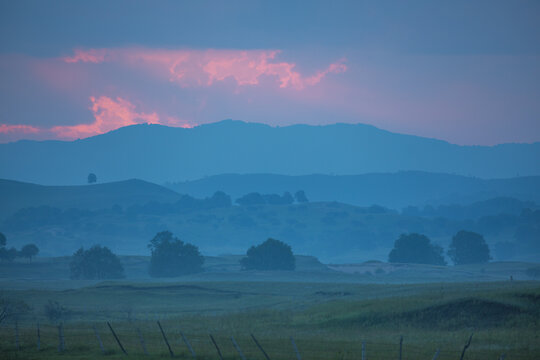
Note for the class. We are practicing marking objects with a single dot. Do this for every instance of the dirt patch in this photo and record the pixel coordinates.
(469, 312)
(458, 314)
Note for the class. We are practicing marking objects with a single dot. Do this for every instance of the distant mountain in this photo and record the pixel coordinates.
(395, 190)
(16, 195)
(159, 154)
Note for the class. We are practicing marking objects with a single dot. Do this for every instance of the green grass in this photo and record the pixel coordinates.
(327, 320)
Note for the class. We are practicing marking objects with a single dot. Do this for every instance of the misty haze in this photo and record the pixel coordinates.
(270, 180)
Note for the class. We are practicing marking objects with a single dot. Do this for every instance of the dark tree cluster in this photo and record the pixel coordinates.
(172, 257)
(256, 198)
(270, 255)
(416, 248)
(186, 203)
(98, 262)
(9, 254)
(466, 248)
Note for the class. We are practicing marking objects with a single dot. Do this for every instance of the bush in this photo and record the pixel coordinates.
(270, 255)
(56, 312)
(468, 248)
(416, 249)
(96, 263)
(172, 257)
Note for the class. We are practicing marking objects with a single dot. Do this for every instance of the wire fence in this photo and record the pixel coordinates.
(168, 340)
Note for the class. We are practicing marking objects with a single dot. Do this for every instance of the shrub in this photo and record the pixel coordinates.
(172, 257)
(96, 263)
(270, 255)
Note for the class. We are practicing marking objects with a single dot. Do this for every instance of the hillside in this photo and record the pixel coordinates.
(394, 190)
(16, 195)
(331, 231)
(159, 154)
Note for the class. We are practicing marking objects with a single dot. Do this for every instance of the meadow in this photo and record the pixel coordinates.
(329, 314)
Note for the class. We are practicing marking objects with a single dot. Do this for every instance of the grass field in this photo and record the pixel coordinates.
(328, 318)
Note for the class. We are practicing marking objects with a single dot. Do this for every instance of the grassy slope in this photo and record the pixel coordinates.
(328, 320)
(17, 195)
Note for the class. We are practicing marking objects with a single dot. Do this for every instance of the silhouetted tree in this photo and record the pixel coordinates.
(300, 196)
(5, 253)
(172, 257)
(416, 249)
(92, 178)
(251, 199)
(270, 255)
(96, 263)
(29, 251)
(468, 248)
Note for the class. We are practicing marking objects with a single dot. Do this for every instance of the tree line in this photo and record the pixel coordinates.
(172, 257)
(466, 247)
(28, 251)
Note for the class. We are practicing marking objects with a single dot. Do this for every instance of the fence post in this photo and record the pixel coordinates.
(141, 339)
(466, 347)
(295, 349)
(400, 346)
(260, 347)
(363, 350)
(99, 339)
(165, 338)
(38, 338)
(238, 349)
(217, 347)
(187, 344)
(17, 343)
(61, 343)
(117, 339)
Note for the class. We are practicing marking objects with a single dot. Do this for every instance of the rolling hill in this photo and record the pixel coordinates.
(158, 154)
(17, 195)
(394, 190)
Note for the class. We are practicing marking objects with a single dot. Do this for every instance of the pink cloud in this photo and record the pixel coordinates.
(109, 114)
(93, 56)
(190, 68)
(24, 129)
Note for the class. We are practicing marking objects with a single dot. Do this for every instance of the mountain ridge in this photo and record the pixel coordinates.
(158, 154)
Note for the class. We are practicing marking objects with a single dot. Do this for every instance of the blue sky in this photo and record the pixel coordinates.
(463, 71)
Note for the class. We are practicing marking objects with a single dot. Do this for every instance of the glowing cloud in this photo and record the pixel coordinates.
(24, 129)
(205, 67)
(109, 114)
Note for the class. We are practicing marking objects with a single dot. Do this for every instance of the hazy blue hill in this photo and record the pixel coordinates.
(158, 154)
(17, 195)
(395, 190)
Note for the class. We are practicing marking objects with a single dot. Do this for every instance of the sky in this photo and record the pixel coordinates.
(467, 72)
